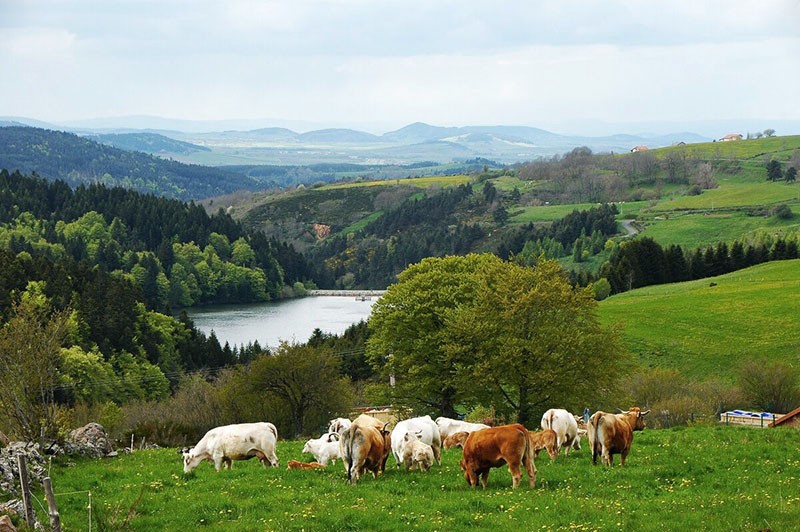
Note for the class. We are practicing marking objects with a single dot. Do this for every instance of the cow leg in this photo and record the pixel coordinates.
(219, 459)
(608, 458)
(530, 468)
(484, 478)
(262, 458)
(622, 456)
(437, 454)
(516, 474)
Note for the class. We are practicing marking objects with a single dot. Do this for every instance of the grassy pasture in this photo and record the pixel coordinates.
(695, 229)
(697, 478)
(779, 147)
(735, 191)
(421, 182)
(547, 213)
(705, 330)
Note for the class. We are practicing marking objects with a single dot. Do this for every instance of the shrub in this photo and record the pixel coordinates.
(773, 386)
(782, 212)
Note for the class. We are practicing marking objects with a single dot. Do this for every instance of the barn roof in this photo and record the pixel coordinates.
(783, 419)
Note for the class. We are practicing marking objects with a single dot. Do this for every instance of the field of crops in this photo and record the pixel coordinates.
(697, 478)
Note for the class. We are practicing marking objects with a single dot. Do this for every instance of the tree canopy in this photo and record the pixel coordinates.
(457, 332)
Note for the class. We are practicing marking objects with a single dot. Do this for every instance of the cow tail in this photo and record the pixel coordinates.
(346, 449)
(593, 429)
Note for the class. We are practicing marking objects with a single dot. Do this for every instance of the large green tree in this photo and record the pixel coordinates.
(530, 341)
(476, 330)
(409, 331)
(30, 347)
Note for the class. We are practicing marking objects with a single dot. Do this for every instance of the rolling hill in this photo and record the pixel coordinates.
(707, 327)
(78, 160)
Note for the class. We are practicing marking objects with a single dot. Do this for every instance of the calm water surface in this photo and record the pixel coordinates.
(293, 320)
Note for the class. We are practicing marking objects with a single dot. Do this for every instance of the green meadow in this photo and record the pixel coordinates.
(706, 327)
(421, 182)
(695, 478)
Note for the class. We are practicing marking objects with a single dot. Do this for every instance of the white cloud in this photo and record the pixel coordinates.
(354, 61)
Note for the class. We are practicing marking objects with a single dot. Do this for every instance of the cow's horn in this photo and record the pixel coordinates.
(645, 412)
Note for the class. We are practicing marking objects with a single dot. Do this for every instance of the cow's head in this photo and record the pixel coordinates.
(190, 461)
(307, 447)
(411, 436)
(637, 416)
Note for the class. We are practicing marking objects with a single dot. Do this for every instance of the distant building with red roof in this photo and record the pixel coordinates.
(731, 136)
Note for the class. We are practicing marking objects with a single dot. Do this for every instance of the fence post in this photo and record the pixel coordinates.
(25, 489)
(55, 518)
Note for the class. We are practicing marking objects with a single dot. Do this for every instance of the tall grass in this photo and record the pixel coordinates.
(698, 478)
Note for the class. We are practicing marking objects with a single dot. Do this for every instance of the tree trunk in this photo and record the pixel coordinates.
(524, 412)
(447, 405)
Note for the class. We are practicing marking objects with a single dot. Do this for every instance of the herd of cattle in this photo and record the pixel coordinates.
(364, 444)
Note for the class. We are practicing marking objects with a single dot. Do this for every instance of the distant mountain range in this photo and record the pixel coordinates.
(410, 144)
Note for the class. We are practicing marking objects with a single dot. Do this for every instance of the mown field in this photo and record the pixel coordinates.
(704, 330)
(697, 478)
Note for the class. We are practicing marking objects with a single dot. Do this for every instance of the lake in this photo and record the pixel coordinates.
(293, 320)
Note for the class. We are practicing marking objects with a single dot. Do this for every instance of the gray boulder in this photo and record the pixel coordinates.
(90, 440)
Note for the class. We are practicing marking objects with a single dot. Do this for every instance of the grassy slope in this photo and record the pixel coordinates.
(699, 478)
(705, 330)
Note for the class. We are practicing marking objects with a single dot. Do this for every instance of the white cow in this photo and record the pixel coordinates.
(339, 425)
(429, 433)
(234, 442)
(416, 453)
(325, 448)
(448, 426)
(565, 427)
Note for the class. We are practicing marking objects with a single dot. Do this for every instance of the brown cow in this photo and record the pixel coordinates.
(611, 434)
(294, 464)
(456, 439)
(493, 447)
(364, 449)
(544, 439)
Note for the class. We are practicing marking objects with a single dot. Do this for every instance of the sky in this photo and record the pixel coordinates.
(377, 65)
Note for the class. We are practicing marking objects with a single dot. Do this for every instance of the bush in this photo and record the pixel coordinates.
(673, 400)
(782, 212)
(772, 386)
(601, 288)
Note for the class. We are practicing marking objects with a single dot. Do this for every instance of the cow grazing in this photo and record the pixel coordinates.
(544, 439)
(294, 464)
(222, 445)
(456, 439)
(429, 433)
(493, 447)
(448, 426)
(611, 434)
(364, 449)
(416, 453)
(565, 427)
(339, 425)
(325, 448)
